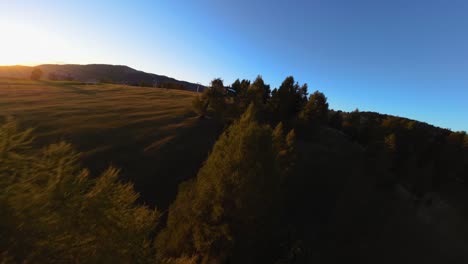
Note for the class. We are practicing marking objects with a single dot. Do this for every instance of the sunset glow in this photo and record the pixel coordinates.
(388, 57)
(247, 131)
(25, 44)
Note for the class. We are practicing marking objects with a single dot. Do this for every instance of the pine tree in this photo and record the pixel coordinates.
(236, 86)
(316, 109)
(200, 105)
(230, 210)
(36, 74)
(54, 212)
(216, 97)
(288, 100)
(336, 120)
(258, 92)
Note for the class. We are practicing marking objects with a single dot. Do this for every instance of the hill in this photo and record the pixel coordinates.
(16, 72)
(146, 132)
(94, 73)
(363, 186)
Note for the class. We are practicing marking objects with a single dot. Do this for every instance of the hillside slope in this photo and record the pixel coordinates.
(16, 72)
(336, 208)
(98, 73)
(149, 133)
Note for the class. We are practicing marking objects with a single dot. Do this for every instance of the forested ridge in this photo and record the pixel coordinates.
(289, 180)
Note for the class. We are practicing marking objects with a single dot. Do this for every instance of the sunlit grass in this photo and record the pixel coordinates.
(58, 108)
(148, 132)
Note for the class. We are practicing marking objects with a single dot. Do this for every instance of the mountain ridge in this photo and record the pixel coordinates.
(106, 73)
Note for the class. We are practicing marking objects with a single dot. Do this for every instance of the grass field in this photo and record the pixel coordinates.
(150, 133)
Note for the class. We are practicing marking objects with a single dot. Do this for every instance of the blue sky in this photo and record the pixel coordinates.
(407, 58)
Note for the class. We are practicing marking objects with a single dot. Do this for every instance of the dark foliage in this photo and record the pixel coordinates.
(288, 100)
(355, 187)
(54, 212)
(36, 74)
(53, 76)
(230, 211)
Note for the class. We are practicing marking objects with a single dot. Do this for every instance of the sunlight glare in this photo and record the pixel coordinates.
(23, 44)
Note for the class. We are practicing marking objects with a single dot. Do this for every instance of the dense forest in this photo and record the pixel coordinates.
(288, 180)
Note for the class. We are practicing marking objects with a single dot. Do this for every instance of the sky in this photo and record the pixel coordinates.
(405, 58)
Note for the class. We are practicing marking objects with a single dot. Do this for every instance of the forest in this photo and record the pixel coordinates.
(288, 180)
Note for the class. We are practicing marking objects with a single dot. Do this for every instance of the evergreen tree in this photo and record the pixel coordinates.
(242, 97)
(236, 86)
(258, 92)
(352, 124)
(200, 105)
(288, 100)
(390, 143)
(244, 86)
(241, 88)
(54, 212)
(216, 98)
(316, 109)
(230, 211)
(336, 120)
(36, 74)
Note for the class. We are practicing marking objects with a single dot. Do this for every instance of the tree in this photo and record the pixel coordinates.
(230, 210)
(453, 155)
(352, 124)
(200, 105)
(241, 99)
(212, 99)
(258, 92)
(336, 120)
(215, 95)
(288, 100)
(316, 109)
(244, 86)
(390, 143)
(236, 86)
(36, 74)
(54, 212)
(241, 87)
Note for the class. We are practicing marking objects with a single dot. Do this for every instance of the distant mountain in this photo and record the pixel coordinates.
(98, 73)
(17, 72)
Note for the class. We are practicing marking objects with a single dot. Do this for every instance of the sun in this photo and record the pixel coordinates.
(23, 44)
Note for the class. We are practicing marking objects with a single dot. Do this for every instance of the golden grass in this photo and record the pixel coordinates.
(150, 133)
(81, 109)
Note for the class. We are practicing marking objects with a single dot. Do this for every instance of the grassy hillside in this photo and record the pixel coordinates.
(17, 71)
(93, 73)
(363, 186)
(151, 134)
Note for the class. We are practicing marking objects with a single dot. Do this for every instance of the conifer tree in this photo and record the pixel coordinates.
(200, 105)
(36, 74)
(236, 86)
(230, 210)
(258, 92)
(335, 120)
(288, 100)
(316, 109)
(54, 212)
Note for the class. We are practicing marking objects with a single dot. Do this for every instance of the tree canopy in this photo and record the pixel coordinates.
(228, 211)
(316, 109)
(36, 74)
(53, 211)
